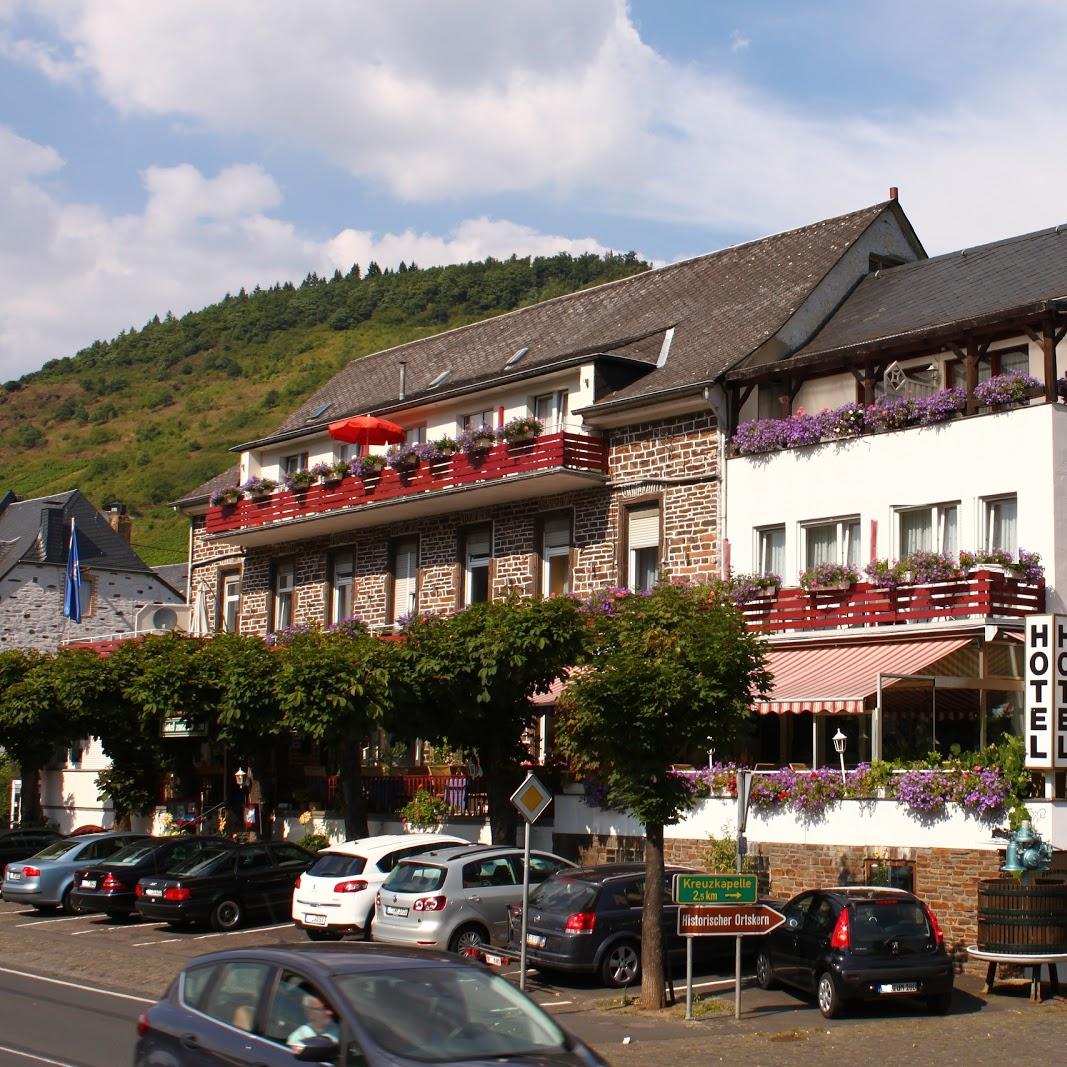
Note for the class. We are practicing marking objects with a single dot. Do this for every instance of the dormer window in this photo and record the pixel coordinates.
(440, 379)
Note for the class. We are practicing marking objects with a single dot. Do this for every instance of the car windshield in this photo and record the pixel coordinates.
(415, 877)
(334, 865)
(878, 922)
(57, 849)
(206, 861)
(447, 1013)
(563, 894)
(131, 855)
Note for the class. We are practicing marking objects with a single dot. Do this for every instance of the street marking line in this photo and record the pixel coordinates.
(101, 928)
(41, 922)
(555, 1004)
(165, 941)
(34, 1056)
(248, 930)
(724, 981)
(77, 985)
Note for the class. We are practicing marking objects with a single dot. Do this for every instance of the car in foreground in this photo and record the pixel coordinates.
(335, 895)
(23, 842)
(858, 943)
(352, 1003)
(46, 880)
(110, 886)
(225, 885)
(588, 921)
(456, 898)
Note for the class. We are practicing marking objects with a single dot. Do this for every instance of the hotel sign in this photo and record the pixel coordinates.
(1046, 692)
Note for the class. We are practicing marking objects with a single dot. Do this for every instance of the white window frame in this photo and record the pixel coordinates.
(298, 461)
(415, 435)
(764, 548)
(345, 453)
(938, 523)
(230, 602)
(475, 561)
(845, 539)
(342, 584)
(405, 585)
(284, 596)
(635, 546)
(552, 409)
(989, 506)
(475, 420)
(557, 536)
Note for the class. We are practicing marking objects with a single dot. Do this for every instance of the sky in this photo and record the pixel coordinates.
(155, 156)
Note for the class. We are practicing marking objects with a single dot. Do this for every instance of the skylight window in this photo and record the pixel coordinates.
(319, 411)
(440, 379)
(512, 360)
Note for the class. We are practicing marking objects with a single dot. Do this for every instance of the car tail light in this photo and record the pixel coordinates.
(581, 922)
(31, 872)
(353, 885)
(430, 904)
(842, 935)
(110, 882)
(142, 1023)
(935, 926)
(177, 892)
(299, 882)
(138, 890)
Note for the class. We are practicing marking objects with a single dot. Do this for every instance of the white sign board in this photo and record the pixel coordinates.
(1046, 692)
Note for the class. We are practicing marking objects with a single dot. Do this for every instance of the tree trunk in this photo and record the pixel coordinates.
(653, 987)
(32, 813)
(350, 770)
(500, 783)
(122, 819)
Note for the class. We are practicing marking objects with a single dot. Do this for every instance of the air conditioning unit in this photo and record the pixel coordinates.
(163, 617)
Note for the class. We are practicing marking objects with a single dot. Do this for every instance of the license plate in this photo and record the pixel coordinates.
(400, 912)
(535, 941)
(493, 960)
(314, 920)
(153, 892)
(15, 876)
(899, 987)
(88, 883)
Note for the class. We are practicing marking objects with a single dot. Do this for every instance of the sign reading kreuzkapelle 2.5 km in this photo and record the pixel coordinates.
(1046, 692)
(715, 888)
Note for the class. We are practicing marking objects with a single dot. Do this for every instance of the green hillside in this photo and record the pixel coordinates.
(149, 415)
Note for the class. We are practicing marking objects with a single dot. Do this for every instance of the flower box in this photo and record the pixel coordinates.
(830, 587)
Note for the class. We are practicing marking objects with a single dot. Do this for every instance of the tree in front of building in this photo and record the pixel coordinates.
(666, 671)
(474, 674)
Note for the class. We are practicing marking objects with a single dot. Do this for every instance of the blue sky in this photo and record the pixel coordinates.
(155, 156)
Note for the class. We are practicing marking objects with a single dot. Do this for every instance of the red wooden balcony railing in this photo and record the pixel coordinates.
(569, 451)
(983, 594)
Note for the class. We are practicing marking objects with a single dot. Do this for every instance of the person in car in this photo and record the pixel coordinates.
(320, 1022)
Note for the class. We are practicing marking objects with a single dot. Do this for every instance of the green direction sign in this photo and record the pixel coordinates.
(715, 889)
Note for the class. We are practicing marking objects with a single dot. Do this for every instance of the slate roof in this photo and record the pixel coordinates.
(983, 283)
(202, 493)
(37, 531)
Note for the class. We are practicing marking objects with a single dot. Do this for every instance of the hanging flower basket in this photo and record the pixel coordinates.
(300, 481)
(228, 497)
(476, 443)
(331, 473)
(259, 489)
(829, 577)
(522, 430)
(369, 468)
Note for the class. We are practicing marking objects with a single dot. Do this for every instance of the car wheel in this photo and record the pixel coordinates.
(65, 905)
(939, 1003)
(765, 972)
(468, 937)
(227, 914)
(621, 965)
(368, 928)
(828, 996)
(323, 935)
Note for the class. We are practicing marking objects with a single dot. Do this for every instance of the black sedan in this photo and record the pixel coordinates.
(20, 844)
(109, 886)
(855, 943)
(354, 1004)
(224, 885)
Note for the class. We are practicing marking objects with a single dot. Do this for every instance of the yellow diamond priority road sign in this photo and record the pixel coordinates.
(531, 798)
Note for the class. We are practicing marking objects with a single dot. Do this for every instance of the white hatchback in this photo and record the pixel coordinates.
(335, 895)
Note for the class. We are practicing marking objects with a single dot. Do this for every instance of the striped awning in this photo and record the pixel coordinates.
(837, 681)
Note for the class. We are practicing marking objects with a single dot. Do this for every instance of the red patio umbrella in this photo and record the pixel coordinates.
(367, 430)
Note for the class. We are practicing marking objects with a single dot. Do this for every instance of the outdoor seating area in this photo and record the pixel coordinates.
(386, 794)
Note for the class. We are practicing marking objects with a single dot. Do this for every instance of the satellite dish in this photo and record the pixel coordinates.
(164, 619)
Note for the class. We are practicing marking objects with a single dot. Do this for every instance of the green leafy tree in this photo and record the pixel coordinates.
(667, 671)
(474, 674)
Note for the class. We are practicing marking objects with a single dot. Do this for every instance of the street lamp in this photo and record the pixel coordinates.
(840, 740)
(711, 753)
(240, 776)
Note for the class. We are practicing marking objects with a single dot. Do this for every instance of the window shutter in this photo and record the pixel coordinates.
(405, 582)
(643, 529)
(558, 532)
(478, 542)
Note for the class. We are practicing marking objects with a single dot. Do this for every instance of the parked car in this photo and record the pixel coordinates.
(588, 920)
(335, 896)
(109, 886)
(456, 898)
(22, 843)
(354, 1004)
(46, 879)
(223, 885)
(856, 943)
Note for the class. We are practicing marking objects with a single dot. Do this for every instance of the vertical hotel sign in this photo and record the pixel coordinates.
(1046, 692)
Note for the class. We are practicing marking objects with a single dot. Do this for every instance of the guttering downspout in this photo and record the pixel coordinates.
(715, 405)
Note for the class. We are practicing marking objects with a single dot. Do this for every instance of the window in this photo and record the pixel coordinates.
(932, 528)
(1002, 361)
(832, 542)
(769, 396)
(405, 577)
(284, 579)
(85, 593)
(881, 261)
(477, 554)
(349, 452)
(642, 544)
(556, 555)
(771, 550)
(229, 603)
(342, 567)
(896, 874)
(551, 409)
(296, 462)
(477, 419)
(1001, 521)
(234, 996)
(415, 435)
(299, 1011)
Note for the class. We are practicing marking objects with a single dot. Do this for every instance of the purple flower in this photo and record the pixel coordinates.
(1010, 388)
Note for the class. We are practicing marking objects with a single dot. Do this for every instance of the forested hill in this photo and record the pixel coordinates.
(149, 415)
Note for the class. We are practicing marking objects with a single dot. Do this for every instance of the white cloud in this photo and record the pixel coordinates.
(739, 42)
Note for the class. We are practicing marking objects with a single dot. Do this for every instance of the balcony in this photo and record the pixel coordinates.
(554, 463)
(982, 595)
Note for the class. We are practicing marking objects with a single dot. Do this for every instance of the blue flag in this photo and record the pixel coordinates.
(72, 596)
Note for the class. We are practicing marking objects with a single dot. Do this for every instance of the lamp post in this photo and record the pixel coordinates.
(711, 753)
(840, 740)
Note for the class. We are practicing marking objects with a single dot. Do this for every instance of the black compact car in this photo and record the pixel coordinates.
(855, 943)
(20, 844)
(589, 920)
(224, 884)
(373, 1005)
(110, 886)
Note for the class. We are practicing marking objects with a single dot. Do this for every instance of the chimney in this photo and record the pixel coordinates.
(892, 192)
(119, 520)
(403, 380)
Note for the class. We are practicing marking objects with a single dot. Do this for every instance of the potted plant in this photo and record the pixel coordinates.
(1007, 390)
(403, 458)
(439, 451)
(745, 587)
(885, 575)
(227, 496)
(829, 576)
(368, 467)
(299, 481)
(259, 488)
(522, 429)
(330, 473)
(993, 560)
(425, 812)
(475, 443)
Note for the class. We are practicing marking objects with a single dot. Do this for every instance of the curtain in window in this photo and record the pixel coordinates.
(820, 545)
(1002, 524)
(772, 551)
(916, 531)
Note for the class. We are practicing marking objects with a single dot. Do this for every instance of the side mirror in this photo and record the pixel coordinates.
(317, 1050)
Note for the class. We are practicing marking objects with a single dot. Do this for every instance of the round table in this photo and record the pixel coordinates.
(1035, 961)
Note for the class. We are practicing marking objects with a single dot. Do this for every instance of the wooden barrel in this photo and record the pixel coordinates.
(1026, 919)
